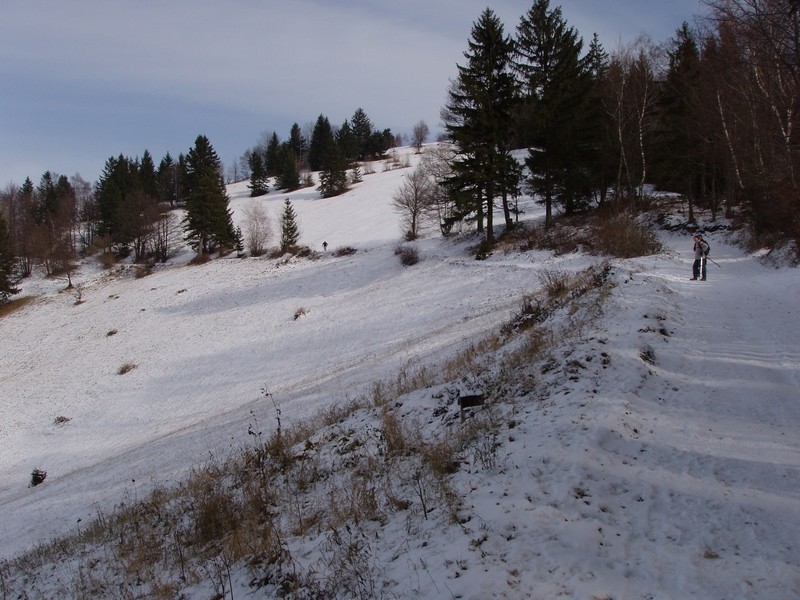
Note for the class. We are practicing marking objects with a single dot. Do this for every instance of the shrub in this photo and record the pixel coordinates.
(200, 259)
(408, 254)
(126, 368)
(395, 437)
(555, 283)
(622, 237)
(12, 305)
(37, 476)
(142, 271)
(344, 251)
(484, 250)
(107, 260)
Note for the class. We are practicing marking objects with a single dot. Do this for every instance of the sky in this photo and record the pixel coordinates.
(83, 80)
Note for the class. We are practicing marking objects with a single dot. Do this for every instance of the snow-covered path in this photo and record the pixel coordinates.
(662, 460)
(729, 427)
(696, 472)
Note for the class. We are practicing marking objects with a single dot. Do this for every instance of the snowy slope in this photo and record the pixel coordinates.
(661, 461)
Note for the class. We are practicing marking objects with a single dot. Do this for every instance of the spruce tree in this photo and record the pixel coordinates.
(117, 182)
(601, 140)
(148, 179)
(290, 234)
(259, 181)
(322, 141)
(127, 200)
(679, 135)
(167, 180)
(478, 120)
(287, 176)
(7, 263)
(333, 176)
(347, 142)
(271, 155)
(208, 221)
(239, 244)
(22, 232)
(553, 116)
(298, 145)
(362, 132)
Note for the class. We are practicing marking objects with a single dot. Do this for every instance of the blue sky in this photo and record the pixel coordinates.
(82, 80)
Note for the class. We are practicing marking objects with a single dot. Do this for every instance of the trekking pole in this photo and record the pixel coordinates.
(713, 261)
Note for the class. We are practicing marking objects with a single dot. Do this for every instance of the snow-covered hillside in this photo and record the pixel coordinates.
(659, 457)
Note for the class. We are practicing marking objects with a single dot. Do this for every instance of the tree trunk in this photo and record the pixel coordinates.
(490, 214)
(507, 212)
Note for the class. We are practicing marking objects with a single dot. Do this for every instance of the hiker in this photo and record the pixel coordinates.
(701, 249)
(324, 246)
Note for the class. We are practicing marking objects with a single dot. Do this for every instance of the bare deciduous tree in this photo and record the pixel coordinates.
(413, 199)
(436, 163)
(630, 97)
(419, 135)
(758, 100)
(166, 235)
(256, 228)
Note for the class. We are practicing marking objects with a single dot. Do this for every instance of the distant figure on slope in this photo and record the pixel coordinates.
(324, 246)
(700, 253)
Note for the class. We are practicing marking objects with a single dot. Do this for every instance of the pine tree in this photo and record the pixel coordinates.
(553, 118)
(347, 142)
(167, 180)
(271, 155)
(23, 228)
(333, 176)
(208, 221)
(322, 141)
(127, 200)
(7, 263)
(290, 234)
(478, 120)
(148, 180)
(259, 181)
(287, 176)
(239, 244)
(116, 183)
(362, 132)
(679, 131)
(601, 141)
(298, 145)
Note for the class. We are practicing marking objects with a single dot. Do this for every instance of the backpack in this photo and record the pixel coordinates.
(707, 251)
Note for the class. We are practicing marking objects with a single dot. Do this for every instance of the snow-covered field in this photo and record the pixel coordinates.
(663, 462)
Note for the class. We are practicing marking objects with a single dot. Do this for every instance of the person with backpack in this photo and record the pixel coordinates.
(701, 249)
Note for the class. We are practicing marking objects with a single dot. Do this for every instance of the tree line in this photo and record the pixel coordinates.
(128, 211)
(710, 114)
(331, 151)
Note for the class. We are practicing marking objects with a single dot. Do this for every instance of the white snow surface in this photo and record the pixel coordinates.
(674, 478)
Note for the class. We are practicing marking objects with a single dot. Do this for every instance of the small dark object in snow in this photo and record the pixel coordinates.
(37, 477)
(470, 401)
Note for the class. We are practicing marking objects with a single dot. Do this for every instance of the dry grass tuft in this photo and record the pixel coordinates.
(617, 235)
(12, 305)
(126, 368)
(409, 255)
